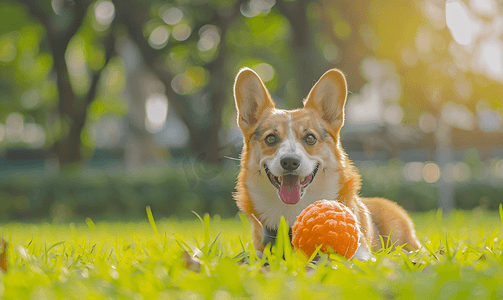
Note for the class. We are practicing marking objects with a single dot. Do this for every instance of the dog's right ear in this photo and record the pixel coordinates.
(252, 98)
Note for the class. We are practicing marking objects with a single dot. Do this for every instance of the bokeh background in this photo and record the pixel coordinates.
(109, 106)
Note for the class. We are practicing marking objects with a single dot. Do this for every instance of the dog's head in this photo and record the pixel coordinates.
(291, 157)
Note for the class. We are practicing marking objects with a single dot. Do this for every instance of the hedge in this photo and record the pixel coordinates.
(178, 189)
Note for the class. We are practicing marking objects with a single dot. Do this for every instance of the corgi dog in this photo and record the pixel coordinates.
(292, 158)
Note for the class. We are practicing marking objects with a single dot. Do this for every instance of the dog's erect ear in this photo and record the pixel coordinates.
(252, 98)
(328, 97)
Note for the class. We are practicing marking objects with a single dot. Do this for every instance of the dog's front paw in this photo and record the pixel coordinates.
(362, 254)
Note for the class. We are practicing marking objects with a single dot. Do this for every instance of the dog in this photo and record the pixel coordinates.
(292, 158)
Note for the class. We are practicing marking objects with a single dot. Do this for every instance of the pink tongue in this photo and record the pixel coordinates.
(289, 190)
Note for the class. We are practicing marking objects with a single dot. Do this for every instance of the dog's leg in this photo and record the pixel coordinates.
(392, 223)
(363, 252)
(270, 236)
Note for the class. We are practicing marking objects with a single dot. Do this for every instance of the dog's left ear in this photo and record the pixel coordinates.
(328, 97)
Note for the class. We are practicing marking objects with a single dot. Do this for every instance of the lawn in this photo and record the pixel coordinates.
(462, 258)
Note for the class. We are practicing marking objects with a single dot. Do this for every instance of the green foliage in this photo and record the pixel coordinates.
(174, 191)
(298, 40)
(128, 260)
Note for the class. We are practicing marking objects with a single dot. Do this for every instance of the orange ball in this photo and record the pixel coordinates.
(327, 223)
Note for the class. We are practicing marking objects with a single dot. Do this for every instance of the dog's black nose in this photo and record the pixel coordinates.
(289, 162)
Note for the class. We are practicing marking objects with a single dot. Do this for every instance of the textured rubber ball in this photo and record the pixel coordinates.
(327, 223)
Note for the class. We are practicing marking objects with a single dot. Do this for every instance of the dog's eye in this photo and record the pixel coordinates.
(270, 139)
(310, 139)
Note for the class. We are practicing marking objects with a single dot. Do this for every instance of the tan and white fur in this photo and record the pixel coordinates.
(292, 158)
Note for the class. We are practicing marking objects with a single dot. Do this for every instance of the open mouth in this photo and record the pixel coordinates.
(291, 187)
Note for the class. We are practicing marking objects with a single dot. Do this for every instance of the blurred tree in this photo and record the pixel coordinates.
(303, 43)
(140, 148)
(201, 108)
(438, 89)
(196, 47)
(61, 20)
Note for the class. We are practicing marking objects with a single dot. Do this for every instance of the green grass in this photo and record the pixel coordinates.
(462, 258)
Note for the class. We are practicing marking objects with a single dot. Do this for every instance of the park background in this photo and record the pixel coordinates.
(109, 106)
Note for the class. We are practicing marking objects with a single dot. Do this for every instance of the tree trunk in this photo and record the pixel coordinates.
(140, 147)
(204, 140)
(72, 113)
(67, 149)
(353, 50)
(207, 140)
(72, 110)
(303, 46)
(444, 156)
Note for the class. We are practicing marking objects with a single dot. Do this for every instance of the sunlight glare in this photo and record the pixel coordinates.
(14, 127)
(427, 123)
(30, 99)
(104, 12)
(484, 7)
(461, 25)
(209, 37)
(462, 171)
(431, 173)
(413, 171)
(172, 16)
(156, 109)
(2, 132)
(366, 108)
(265, 71)
(34, 134)
(331, 52)
(457, 115)
(159, 37)
(490, 58)
(393, 114)
(7, 51)
(181, 32)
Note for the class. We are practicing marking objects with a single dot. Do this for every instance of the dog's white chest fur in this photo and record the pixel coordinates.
(270, 208)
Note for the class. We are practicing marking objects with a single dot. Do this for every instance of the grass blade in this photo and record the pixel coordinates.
(287, 246)
(406, 259)
(198, 216)
(76, 261)
(206, 247)
(439, 217)
(215, 240)
(206, 231)
(241, 242)
(429, 250)
(55, 245)
(447, 249)
(241, 255)
(151, 220)
(314, 253)
(29, 242)
(90, 223)
(280, 240)
(181, 243)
